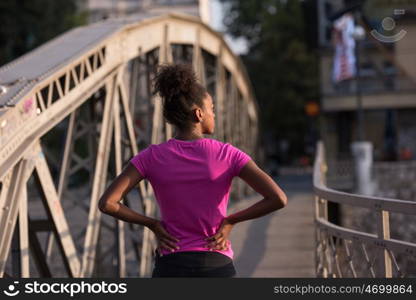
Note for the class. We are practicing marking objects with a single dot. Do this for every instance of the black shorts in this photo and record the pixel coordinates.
(193, 264)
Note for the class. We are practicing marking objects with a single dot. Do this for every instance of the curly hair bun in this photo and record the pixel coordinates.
(174, 79)
(179, 89)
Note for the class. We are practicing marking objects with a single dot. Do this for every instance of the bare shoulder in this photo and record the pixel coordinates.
(251, 170)
(260, 181)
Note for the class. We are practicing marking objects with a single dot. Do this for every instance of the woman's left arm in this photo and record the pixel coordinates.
(109, 202)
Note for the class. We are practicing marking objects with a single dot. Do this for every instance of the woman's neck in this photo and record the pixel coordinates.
(186, 136)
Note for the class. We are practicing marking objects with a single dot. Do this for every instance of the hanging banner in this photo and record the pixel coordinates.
(344, 59)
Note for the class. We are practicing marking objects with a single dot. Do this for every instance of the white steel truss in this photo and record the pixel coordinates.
(87, 94)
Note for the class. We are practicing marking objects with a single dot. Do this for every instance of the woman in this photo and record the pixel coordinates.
(191, 177)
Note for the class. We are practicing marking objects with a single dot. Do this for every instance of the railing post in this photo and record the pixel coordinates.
(383, 233)
(317, 237)
(321, 209)
(321, 212)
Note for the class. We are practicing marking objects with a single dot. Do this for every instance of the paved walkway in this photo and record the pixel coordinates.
(280, 244)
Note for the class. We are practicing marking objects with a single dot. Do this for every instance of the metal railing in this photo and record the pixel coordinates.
(346, 252)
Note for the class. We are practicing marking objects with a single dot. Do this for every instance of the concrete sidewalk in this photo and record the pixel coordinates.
(280, 244)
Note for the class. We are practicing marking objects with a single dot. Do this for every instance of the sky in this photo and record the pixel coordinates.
(217, 9)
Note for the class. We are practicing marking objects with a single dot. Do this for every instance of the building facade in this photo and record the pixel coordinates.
(387, 82)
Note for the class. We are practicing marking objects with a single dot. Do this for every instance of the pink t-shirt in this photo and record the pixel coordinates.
(192, 182)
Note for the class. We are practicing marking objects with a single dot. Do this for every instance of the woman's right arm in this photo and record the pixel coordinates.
(262, 183)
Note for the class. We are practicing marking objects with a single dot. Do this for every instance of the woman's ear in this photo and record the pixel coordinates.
(199, 114)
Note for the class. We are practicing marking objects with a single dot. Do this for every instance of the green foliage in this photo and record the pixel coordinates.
(281, 66)
(27, 24)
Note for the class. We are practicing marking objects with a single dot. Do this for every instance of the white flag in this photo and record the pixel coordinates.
(344, 60)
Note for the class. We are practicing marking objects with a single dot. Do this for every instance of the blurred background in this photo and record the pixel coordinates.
(339, 71)
(277, 41)
(288, 49)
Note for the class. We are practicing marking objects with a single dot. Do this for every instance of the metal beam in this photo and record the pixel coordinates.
(20, 249)
(120, 237)
(100, 177)
(10, 211)
(56, 215)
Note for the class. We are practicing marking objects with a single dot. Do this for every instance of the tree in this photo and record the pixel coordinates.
(281, 66)
(26, 24)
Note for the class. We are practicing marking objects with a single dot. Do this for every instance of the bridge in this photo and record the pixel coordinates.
(76, 109)
(87, 93)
